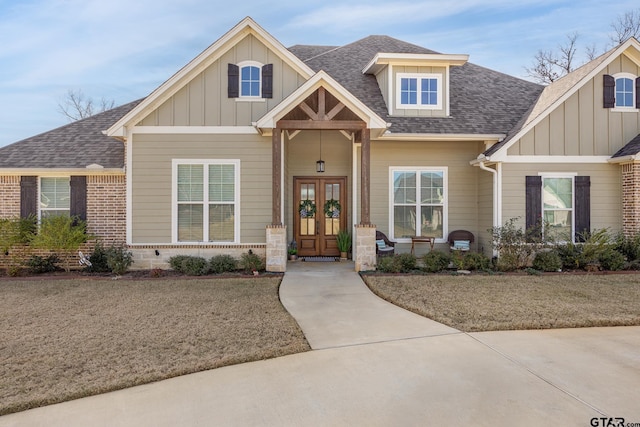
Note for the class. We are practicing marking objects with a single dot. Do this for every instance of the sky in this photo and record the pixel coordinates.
(122, 50)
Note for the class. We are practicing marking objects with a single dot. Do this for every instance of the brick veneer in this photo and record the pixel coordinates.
(9, 196)
(365, 241)
(106, 208)
(631, 198)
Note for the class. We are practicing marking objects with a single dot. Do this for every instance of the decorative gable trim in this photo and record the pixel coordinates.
(200, 63)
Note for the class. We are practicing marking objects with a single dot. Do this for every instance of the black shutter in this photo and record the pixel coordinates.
(28, 196)
(638, 92)
(533, 202)
(582, 206)
(267, 81)
(609, 91)
(78, 205)
(233, 73)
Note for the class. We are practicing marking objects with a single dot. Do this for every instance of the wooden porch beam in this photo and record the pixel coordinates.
(276, 159)
(309, 111)
(365, 178)
(321, 124)
(322, 109)
(335, 110)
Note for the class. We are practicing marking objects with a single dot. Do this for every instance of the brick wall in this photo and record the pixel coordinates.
(106, 208)
(9, 196)
(631, 198)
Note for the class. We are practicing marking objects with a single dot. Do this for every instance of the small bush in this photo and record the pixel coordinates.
(570, 255)
(508, 262)
(175, 262)
(189, 265)
(629, 246)
(547, 261)
(119, 259)
(407, 262)
(222, 264)
(40, 265)
(435, 261)
(389, 265)
(475, 261)
(251, 262)
(98, 259)
(612, 260)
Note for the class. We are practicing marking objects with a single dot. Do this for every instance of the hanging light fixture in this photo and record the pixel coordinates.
(320, 163)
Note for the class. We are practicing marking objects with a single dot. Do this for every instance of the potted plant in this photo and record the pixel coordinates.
(293, 254)
(343, 240)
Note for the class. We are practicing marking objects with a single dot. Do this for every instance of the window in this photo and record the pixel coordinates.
(418, 202)
(250, 81)
(419, 91)
(55, 196)
(557, 208)
(206, 200)
(624, 92)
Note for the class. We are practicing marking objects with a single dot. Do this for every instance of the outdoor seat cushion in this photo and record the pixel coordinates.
(381, 244)
(461, 245)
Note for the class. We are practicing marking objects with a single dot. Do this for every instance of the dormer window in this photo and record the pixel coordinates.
(250, 80)
(419, 91)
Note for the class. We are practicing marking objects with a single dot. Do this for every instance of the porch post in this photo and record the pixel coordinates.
(365, 183)
(276, 154)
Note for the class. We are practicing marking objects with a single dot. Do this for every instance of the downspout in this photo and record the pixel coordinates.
(496, 201)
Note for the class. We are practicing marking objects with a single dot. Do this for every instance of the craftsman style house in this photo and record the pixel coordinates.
(243, 148)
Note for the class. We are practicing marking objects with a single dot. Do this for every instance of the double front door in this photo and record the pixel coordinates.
(315, 233)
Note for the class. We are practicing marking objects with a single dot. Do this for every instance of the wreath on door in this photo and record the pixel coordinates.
(332, 208)
(307, 208)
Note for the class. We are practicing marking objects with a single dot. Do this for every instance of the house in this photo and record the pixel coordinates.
(239, 147)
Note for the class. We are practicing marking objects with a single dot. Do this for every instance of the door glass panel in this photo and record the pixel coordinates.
(332, 220)
(308, 221)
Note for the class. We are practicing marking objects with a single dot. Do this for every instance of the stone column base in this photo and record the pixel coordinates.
(365, 241)
(277, 248)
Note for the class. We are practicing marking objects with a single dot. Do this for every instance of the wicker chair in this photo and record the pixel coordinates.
(460, 240)
(384, 246)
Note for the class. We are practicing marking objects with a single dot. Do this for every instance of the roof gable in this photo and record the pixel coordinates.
(201, 62)
(558, 92)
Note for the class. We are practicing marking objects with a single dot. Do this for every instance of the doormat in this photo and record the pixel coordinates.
(320, 258)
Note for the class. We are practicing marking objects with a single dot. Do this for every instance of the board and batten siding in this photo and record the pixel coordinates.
(606, 190)
(463, 179)
(580, 126)
(204, 102)
(152, 174)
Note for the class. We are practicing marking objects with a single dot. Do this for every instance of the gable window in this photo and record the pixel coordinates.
(621, 92)
(250, 81)
(624, 92)
(419, 91)
(206, 195)
(418, 202)
(55, 196)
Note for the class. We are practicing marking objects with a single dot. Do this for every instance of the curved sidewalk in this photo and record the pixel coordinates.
(377, 365)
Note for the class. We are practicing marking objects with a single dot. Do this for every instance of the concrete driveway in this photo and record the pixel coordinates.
(400, 369)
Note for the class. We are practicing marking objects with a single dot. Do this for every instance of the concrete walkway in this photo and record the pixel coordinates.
(398, 371)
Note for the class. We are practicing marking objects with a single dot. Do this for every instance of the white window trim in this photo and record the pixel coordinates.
(174, 199)
(39, 195)
(445, 202)
(633, 108)
(572, 175)
(242, 98)
(418, 106)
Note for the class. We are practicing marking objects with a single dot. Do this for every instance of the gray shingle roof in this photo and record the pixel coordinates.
(75, 145)
(631, 149)
(482, 100)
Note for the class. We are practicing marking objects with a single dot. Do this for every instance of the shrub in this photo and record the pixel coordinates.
(15, 231)
(508, 262)
(119, 259)
(251, 262)
(596, 243)
(475, 261)
(612, 260)
(628, 246)
(98, 259)
(190, 265)
(570, 255)
(389, 265)
(60, 234)
(407, 262)
(515, 245)
(547, 261)
(435, 261)
(39, 265)
(222, 264)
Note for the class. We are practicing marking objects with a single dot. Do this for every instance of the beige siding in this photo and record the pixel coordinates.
(423, 113)
(301, 154)
(580, 125)
(462, 179)
(606, 190)
(383, 82)
(203, 101)
(152, 175)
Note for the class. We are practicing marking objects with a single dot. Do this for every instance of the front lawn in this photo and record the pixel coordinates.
(65, 339)
(503, 302)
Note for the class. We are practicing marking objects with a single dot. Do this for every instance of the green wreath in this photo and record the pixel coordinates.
(332, 208)
(307, 208)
